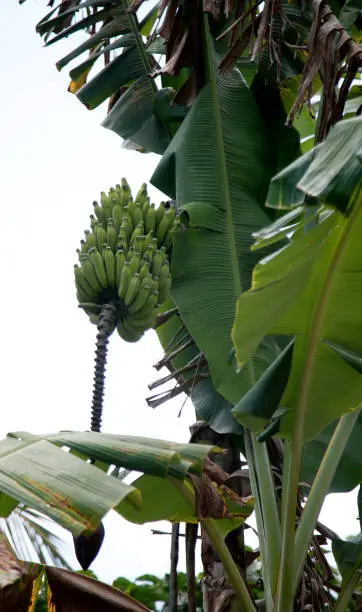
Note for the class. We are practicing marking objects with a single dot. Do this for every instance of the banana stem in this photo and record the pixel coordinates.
(286, 584)
(229, 565)
(320, 487)
(269, 509)
(264, 558)
(222, 550)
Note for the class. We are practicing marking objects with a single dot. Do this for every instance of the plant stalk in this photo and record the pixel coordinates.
(222, 550)
(320, 488)
(259, 522)
(271, 518)
(173, 591)
(285, 592)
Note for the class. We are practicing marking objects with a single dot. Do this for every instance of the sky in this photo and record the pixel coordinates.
(55, 159)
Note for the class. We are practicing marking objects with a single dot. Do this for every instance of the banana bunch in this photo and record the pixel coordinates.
(124, 258)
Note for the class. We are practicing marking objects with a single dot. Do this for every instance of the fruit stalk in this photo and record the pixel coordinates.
(106, 325)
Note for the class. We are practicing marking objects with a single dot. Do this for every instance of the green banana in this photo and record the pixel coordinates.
(150, 219)
(154, 245)
(97, 262)
(83, 285)
(144, 269)
(141, 299)
(145, 207)
(135, 262)
(123, 238)
(146, 310)
(110, 265)
(164, 288)
(129, 336)
(93, 221)
(147, 279)
(156, 285)
(132, 289)
(149, 254)
(91, 276)
(168, 240)
(160, 211)
(130, 209)
(127, 222)
(126, 194)
(146, 322)
(137, 215)
(101, 236)
(164, 272)
(122, 244)
(117, 216)
(156, 263)
(83, 251)
(112, 235)
(126, 277)
(138, 231)
(171, 215)
(120, 259)
(81, 297)
(98, 211)
(90, 239)
(141, 196)
(140, 244)
(114, 197)
(162, 229)
(105, 203)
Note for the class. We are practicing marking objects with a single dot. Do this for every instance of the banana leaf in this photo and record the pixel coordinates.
(312, 289)
(223, 161)
(113, 33)
(36, 472)
(348, 555)
(20, 588)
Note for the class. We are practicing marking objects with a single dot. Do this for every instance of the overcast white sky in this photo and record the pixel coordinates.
(55, 158)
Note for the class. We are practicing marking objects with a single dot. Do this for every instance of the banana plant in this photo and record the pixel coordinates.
(277, 322)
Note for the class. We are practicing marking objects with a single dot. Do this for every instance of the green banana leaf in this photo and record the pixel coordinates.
(127, 69)
(162, 500)
(329, 171)
(218, 167)
(34, 471)
(348, 555)
(349, 13)
(312, 289)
